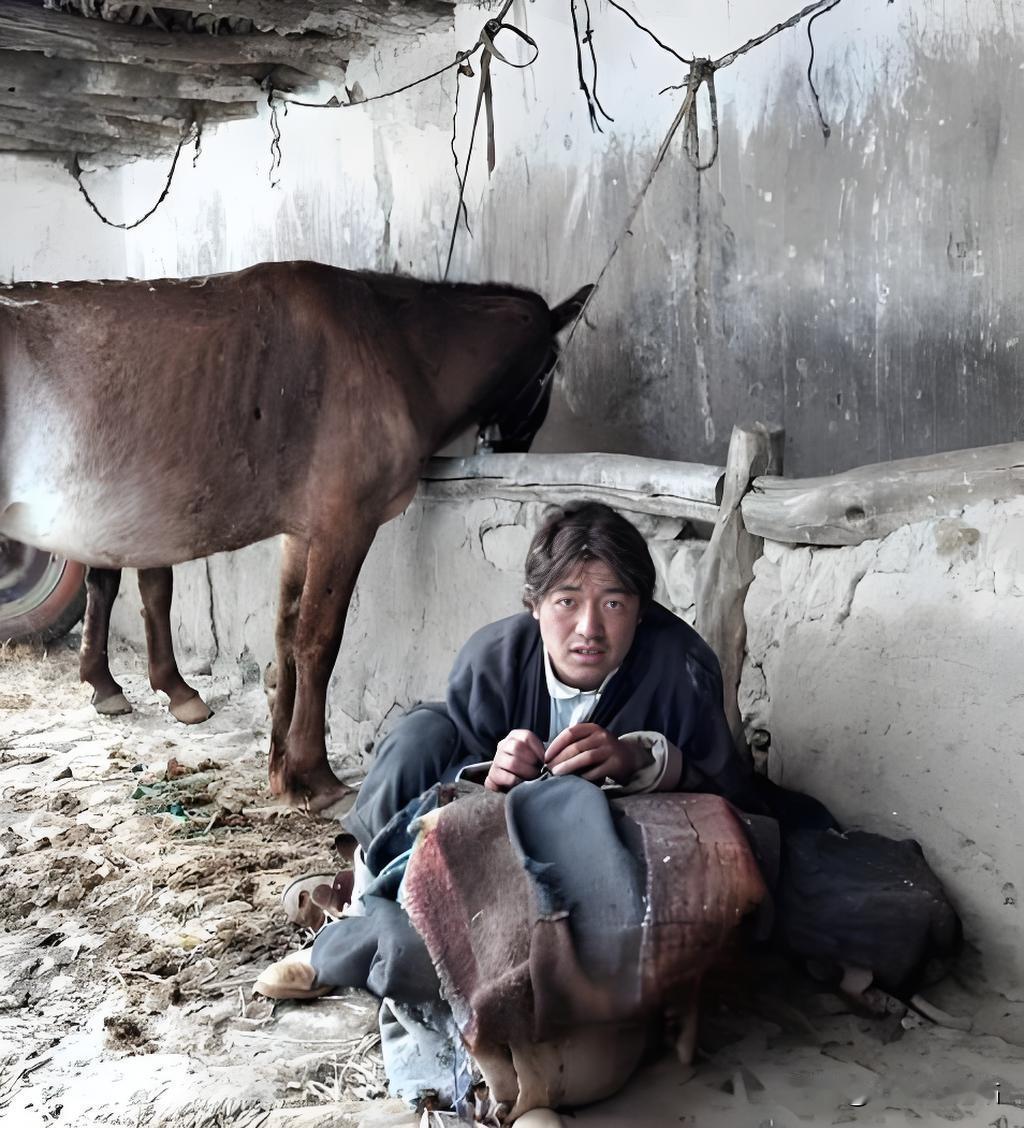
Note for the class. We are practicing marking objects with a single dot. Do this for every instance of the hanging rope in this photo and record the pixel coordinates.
(485, 101)
(647, 31)
(702, 73)
(826, 129)
(192, 131)
(276, 155)
(593, 101)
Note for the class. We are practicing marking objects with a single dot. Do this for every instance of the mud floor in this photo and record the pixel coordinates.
(141, 866)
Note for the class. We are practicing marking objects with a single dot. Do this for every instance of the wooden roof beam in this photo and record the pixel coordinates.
(42, 136)
(30, 73)
(161, 135)
(24, 26)
(151, 111)
(374, 20)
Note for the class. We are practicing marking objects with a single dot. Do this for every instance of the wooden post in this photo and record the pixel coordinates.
(727, 566)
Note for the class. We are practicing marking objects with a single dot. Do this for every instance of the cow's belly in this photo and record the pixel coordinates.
(96, 530)
(144, 519)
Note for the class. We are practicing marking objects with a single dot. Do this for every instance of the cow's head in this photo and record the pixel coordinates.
(513, 426)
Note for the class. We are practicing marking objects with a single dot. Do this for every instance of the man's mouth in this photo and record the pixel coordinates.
(587, 651)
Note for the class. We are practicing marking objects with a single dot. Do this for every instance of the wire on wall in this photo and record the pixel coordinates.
(826, 129)
(702, 73)
(192, 132)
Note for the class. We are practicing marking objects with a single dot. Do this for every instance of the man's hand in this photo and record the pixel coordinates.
(519, 756)
(592, 752)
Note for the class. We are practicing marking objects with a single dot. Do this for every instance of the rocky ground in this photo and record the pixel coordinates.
(141, 866)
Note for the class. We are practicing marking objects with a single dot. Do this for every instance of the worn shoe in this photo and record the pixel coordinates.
(290, 978)
(311, 901)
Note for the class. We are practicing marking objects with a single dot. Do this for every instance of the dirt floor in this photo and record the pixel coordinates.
(141, 866)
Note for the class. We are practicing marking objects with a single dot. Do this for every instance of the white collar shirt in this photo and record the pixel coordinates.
(569, 706)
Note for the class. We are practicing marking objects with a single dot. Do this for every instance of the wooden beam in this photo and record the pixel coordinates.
(24, 26)
(727, 566)
(873, 501)
(9, 144)
(69, 108)
(376, 20)
(28, 73)
(639, 485)
(96, 126)
(45, 135)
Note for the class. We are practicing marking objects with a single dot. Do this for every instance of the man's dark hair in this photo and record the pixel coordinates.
(580, 532)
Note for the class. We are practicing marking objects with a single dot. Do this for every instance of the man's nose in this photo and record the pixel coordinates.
(590, 624)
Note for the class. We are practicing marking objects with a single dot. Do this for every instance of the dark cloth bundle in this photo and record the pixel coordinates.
(862, 900)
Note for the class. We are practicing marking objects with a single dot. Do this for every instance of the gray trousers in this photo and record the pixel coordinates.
(422, 749)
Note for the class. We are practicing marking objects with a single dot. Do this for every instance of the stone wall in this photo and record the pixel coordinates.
(888, 676)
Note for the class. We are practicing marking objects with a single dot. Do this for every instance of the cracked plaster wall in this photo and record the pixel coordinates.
(888, 676)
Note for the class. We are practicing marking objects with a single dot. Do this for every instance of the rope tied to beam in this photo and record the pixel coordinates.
(701, 73)
(192, 132)
(485, 100)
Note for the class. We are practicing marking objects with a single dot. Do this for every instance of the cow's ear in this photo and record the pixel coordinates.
(569, 310)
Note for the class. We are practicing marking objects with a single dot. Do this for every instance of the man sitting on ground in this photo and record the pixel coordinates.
(596, 680)
(593, 679)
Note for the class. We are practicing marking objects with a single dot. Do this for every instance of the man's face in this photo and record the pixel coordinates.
(587, 622)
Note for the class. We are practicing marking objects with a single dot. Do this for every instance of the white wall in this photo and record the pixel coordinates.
(889, 677)
(46, 230)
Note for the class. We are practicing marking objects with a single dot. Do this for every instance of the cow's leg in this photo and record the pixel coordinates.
(299, 770)
(101, 586)
(293, 575)
(156, 586)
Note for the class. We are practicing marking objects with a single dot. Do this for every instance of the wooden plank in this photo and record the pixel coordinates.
(113, 126)
(28, 73)
(26, 27)
(727, 566)
(638, 485)
(79, 111)
(375, 21)
(44, 135)
(873, 501)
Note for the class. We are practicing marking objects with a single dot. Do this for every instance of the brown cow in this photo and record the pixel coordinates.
(147, 423)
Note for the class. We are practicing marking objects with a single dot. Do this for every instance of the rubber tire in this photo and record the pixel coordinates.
(54, 615)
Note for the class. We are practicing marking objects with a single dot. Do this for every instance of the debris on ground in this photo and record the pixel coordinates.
(141, 869)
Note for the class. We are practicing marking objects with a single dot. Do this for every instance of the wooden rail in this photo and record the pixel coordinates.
(689, 490)
(873, 501)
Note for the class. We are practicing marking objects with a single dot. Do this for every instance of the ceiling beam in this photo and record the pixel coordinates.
(30, 73)
(45, 136)
(24, 26)
(145, 111)
(373, 20)
(112, 127)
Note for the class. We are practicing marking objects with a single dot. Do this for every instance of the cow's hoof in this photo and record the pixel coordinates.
(191, 712)
(116, 706)
(314, 793)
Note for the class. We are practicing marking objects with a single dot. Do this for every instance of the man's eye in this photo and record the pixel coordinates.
(614, 604)
(565, 601)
